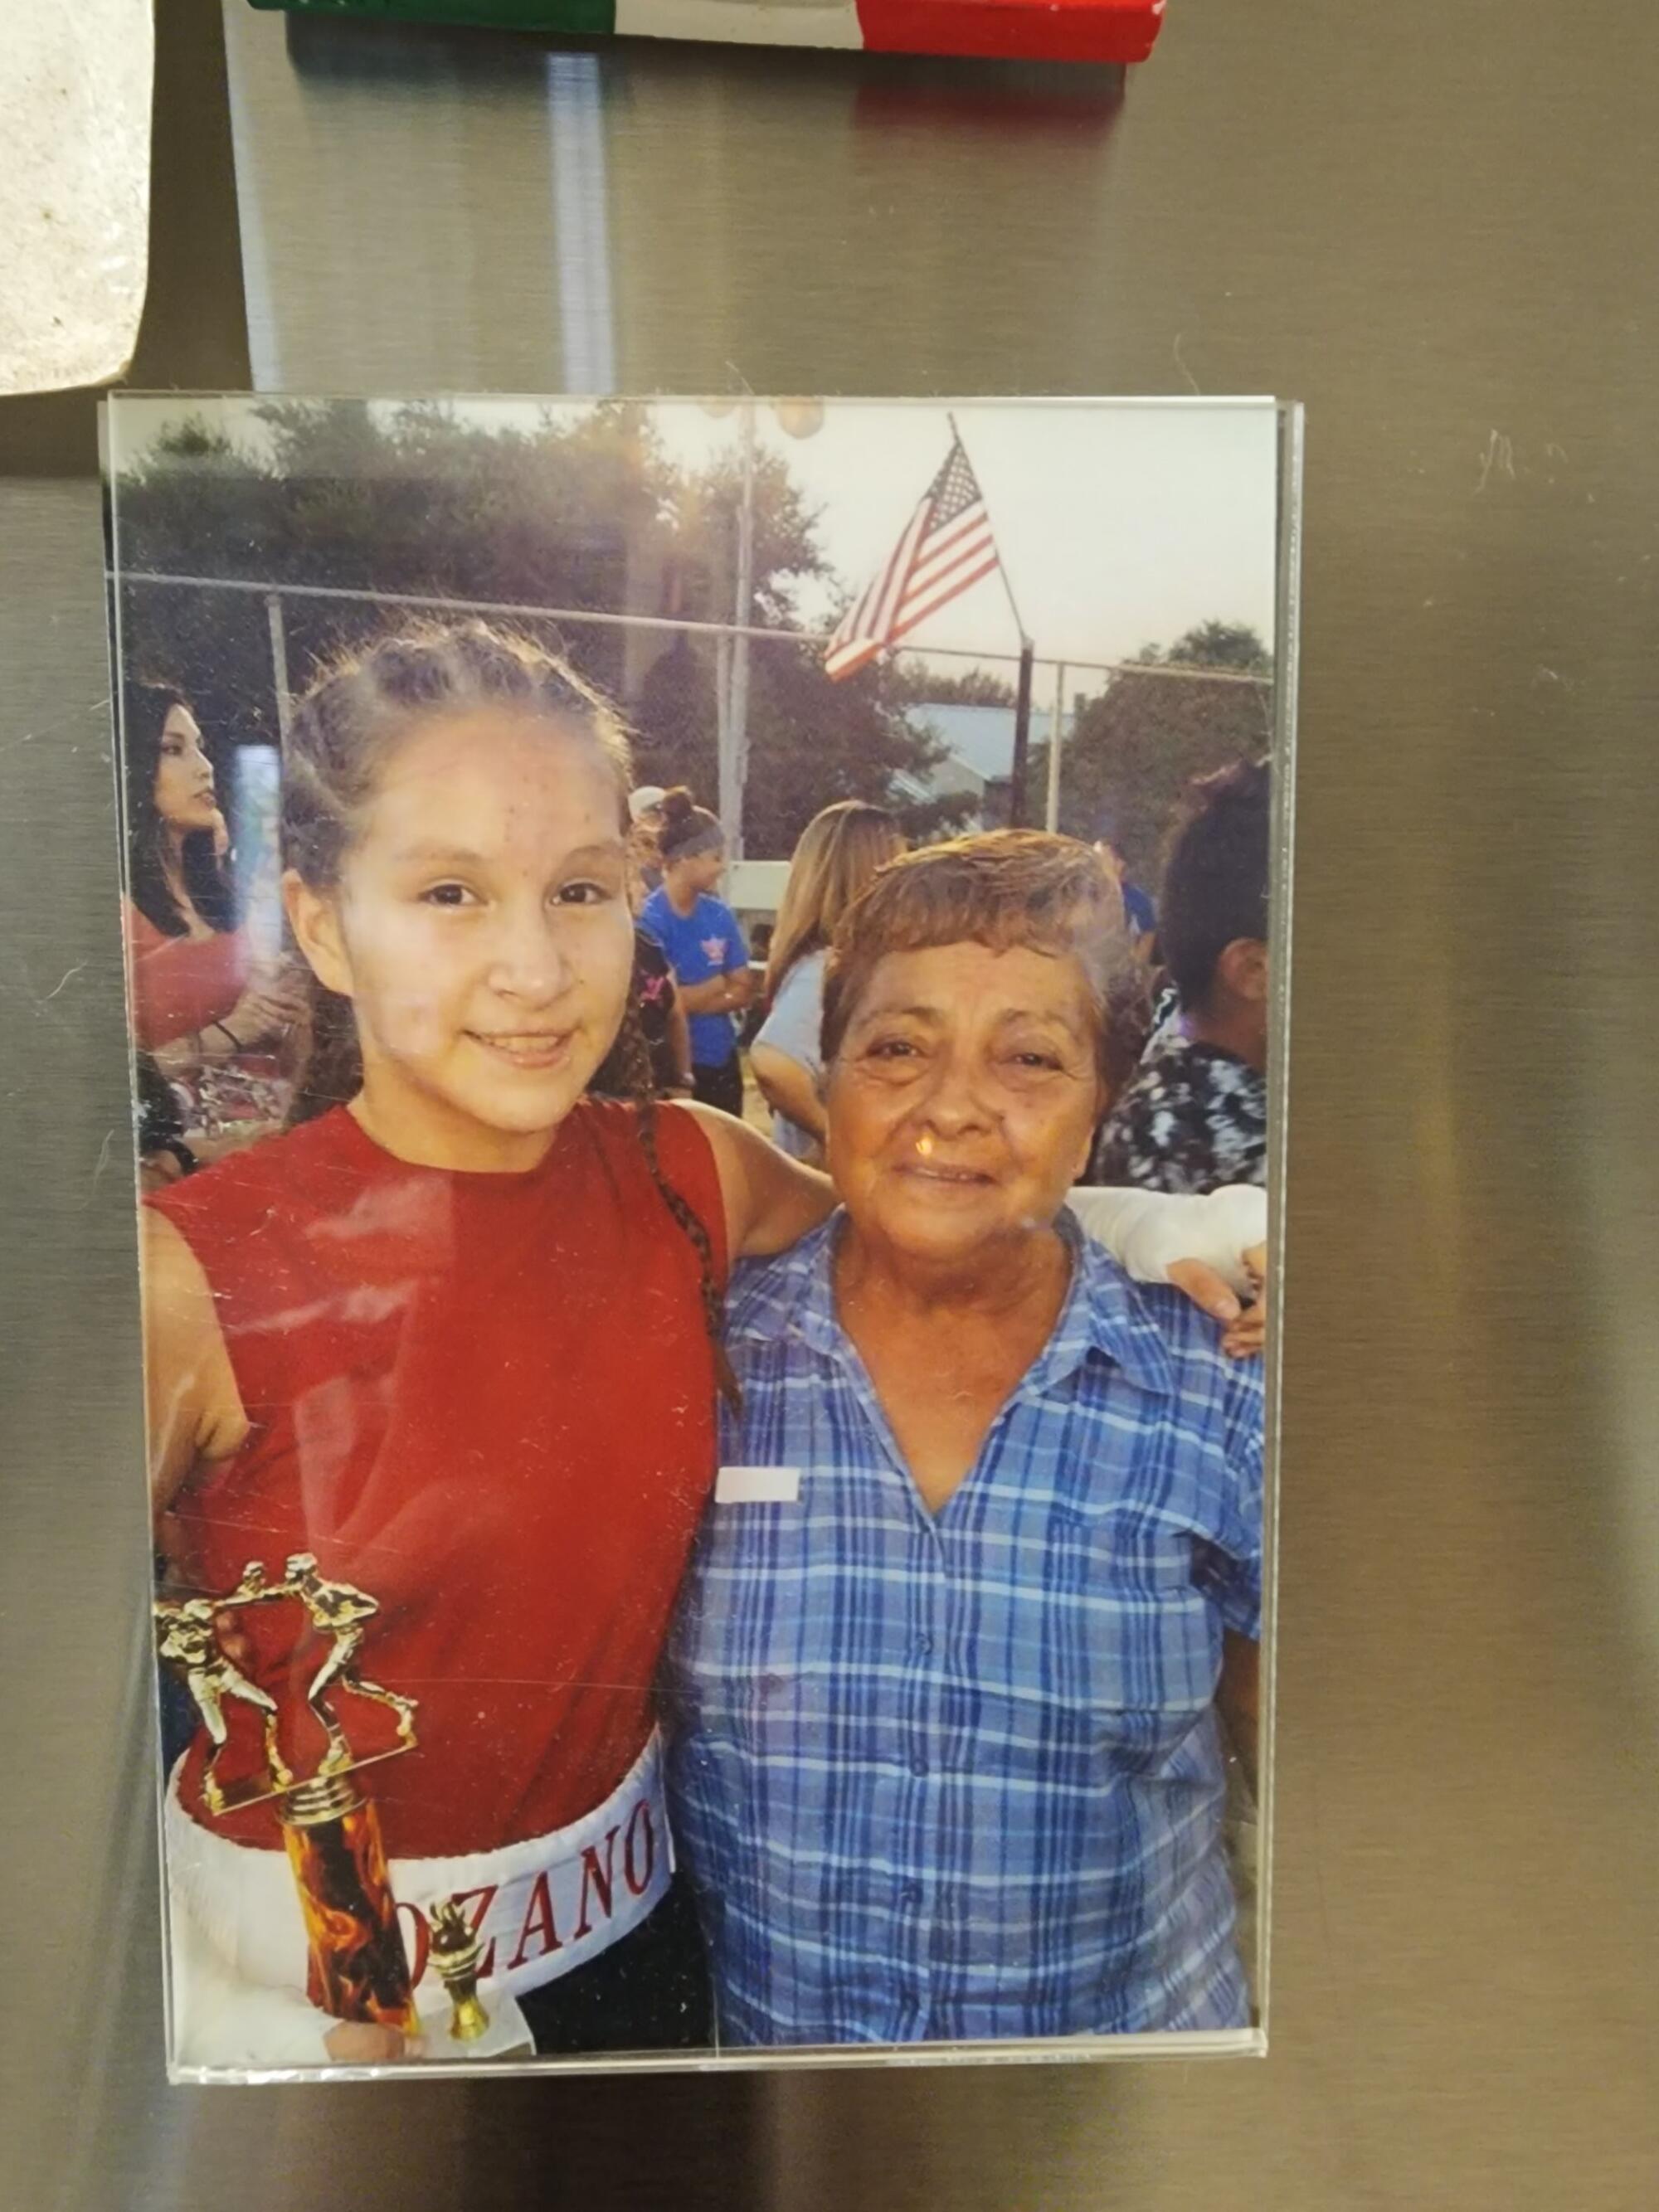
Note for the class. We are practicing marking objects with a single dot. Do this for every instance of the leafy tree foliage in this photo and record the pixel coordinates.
(916, 682)
(590, 515)
(1132, 751)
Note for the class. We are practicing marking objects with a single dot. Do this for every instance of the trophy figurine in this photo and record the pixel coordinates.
(456, 1954)
(357, 1968)
(188, 1637)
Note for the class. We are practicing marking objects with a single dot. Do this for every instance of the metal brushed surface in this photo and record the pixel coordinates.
(1433, 225)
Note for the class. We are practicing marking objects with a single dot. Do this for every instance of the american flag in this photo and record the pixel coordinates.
(946, 546)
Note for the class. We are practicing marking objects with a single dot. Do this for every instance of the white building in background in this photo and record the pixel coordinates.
(952, 775)
(979, 742)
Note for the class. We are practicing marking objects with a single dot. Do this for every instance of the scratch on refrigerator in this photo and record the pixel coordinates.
(1499, 455)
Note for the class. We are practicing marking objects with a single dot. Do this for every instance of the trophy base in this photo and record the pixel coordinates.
(507, 2035)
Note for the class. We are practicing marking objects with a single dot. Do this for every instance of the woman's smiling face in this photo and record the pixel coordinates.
(963, 1099)
(481, 929)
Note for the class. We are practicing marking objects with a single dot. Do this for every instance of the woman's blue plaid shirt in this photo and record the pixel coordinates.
(958, 1776)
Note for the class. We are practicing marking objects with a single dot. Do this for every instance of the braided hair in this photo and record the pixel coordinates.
(639, 1085)
(351, 720)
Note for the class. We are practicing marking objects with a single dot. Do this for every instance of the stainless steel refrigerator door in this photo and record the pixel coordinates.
(1432, 224)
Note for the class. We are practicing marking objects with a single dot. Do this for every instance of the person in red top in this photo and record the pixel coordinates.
(457, 1335)
(200, 1001)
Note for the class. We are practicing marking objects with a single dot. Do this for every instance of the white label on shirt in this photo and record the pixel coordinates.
(757, 1485)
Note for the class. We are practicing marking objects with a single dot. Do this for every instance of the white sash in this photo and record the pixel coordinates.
(543, 1906)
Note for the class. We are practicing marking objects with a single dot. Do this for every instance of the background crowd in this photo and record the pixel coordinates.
(219, 1024)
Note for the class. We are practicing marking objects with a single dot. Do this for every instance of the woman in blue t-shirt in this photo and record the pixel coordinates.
(704, 943)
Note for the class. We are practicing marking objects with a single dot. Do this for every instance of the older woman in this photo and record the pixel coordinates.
(948, 1663)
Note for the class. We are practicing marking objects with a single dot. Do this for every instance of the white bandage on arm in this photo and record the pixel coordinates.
(1144, 1230)
(220, 2020)
(237, 1940)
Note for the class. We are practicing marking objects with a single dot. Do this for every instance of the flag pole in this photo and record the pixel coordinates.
(1002, 566)
(1051, 813)
(1016, 773)
(1021, 740)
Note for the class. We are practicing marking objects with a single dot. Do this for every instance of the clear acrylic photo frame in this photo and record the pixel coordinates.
(129, 424)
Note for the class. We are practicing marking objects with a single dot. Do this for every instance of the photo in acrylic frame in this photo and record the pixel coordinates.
(708, 984)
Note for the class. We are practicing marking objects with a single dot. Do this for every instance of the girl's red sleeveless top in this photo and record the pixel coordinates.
(487, 1401)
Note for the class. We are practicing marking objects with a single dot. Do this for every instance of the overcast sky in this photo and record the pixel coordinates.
(1120, 524)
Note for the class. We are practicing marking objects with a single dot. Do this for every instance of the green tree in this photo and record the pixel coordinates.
(825, 742)
(918, 684)
(1134, 751)
(811, 742)
(413, 503)
(589, 514)
(786, 549)
(674, 719)
(1214, 644)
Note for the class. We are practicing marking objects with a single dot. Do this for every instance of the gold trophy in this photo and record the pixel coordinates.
(358, 1970)
(456, 1954)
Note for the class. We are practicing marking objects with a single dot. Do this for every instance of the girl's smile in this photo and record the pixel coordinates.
(531, 1049)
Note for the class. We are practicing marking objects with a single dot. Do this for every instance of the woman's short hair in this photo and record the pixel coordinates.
(1006, 889)
(1215, 887)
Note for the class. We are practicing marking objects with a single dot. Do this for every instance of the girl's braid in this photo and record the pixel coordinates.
(641, 1086)
(329, 1069)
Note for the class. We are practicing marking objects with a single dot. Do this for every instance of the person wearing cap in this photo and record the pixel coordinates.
(645, 813)
(704, 942)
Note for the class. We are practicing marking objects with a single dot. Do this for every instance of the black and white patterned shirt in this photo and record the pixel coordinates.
(1194, 1118)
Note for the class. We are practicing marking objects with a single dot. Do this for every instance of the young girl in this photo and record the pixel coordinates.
(458, 1338)
(703, 940)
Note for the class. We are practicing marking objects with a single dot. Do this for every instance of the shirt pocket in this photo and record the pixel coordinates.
(1134, 1645)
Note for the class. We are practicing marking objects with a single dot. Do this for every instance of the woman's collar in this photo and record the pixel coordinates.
(793, 1294)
